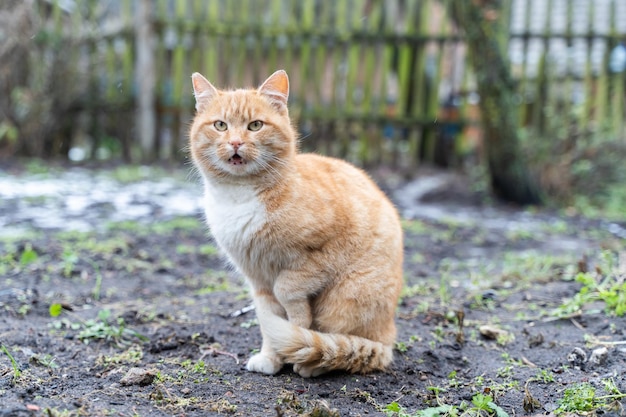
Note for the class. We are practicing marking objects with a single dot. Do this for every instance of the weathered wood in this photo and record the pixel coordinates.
(145, 73)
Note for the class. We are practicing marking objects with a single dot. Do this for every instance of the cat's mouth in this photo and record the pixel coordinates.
(236, 159)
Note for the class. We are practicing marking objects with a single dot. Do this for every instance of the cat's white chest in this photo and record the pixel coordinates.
(234, 214)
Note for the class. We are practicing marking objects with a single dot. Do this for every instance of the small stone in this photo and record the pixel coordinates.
(492, 332)
(577, 357)
(598, 356)
(535, 340)
(138, 376)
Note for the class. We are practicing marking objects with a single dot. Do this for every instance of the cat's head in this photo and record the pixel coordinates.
(242, 133)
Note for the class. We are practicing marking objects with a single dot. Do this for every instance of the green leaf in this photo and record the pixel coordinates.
(55, 309)
(436, 411)
(499, 411)
(104, 314)
(482, 401)
(28, 255)
(394, 406)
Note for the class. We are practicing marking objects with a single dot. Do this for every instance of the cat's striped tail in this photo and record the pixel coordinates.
(313, 353)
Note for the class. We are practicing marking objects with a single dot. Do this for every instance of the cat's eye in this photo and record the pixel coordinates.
(256, 125)
(220, 126)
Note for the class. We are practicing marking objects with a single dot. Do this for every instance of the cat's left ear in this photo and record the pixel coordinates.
(276, 89)
(203, 90)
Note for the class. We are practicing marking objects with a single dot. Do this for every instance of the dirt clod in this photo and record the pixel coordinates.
(598, 356)
(138, 376)
(577, 357)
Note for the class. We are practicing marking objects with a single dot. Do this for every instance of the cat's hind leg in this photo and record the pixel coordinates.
(309, 371)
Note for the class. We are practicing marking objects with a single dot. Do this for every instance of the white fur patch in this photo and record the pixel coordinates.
(263, 364)
(234, 214)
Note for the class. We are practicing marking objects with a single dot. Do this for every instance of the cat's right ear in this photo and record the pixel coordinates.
(203, 90)
(276, 89)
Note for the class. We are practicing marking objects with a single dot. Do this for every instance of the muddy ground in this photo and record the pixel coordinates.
(141, 318)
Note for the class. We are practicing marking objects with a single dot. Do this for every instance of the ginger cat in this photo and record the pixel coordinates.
(318, 242)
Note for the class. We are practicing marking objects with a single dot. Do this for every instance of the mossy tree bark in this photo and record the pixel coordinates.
(483, 22)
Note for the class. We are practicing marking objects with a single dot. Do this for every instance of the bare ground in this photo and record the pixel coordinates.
(150, 323)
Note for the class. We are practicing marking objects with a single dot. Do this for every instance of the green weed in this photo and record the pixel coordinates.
(70, 259)
(132, 355)
(179, 223)
(55, 309)
(47, 361)
(28, 256)
(208, 250)
(102, 329)
(417, 227)
(583, 398)
(544, 376)
(607, 284)
(97, 288)
(403, 347)
(482, 405)
(16, 368)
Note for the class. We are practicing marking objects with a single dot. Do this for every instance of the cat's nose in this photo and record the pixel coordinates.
(236, 144)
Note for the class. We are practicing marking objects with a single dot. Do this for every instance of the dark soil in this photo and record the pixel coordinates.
(179, 316)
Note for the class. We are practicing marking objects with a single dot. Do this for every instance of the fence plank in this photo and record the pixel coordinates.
(145, 71)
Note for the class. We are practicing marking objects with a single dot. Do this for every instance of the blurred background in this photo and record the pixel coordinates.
(394, 83)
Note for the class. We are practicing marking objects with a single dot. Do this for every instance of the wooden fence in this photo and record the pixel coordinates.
(365, 74)
(373, 81)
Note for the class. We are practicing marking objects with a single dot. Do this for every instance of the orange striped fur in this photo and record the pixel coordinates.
(318, 242)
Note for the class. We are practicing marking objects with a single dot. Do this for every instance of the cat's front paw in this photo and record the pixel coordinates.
(264, 364)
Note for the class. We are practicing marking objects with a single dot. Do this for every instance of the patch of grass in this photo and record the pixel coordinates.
(188, 371)
(288, 400)
(17, 372)
(167, 400)
(127, 226)
(417, 227)
(132, 355)
(532, 266)
(35, 166)
(403, 347)
(544, 376)
(583, 398)
(519, 234)
(608, 205)
(179, 223)
(70, 258)
(481, 405)
(250, 323)
(133, 173)
(421, 289)
(214, 287)
(208, 250)
(8, 259)
(101, 328)
(607, 283)
(55, 412)
(29, 255)
(47, 361)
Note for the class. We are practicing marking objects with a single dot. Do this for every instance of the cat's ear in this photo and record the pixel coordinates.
(203, 90)
(276, 89)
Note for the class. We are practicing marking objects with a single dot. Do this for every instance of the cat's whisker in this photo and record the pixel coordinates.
(274, 173)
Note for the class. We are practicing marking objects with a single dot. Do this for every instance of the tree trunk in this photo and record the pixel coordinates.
(486, 35)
